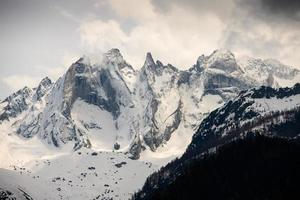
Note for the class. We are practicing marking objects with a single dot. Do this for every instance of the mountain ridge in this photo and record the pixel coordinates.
(148, 106)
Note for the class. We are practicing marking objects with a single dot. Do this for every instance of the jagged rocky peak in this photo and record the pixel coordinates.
(149, 69)
(222, 59)
(45, 81)
(157, 68)
(24, 92)
(280, 69)
(114, 53)
(263, 68)
(201, 59)
(80, 65)
(106, 84)
(113, 56)
(84, 60)
(222, 54)
(149, 63)
(43, 87)
(198, 67)
(113, 60)
(15, 103)
(149, 60)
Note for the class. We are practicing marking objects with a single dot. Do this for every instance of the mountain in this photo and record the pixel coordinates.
(256, 167)
(102, 128)
(110, 106)
(262, 109)
(270, 72)
(258, 111)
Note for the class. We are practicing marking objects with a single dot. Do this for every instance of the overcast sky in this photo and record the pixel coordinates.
(41, 38)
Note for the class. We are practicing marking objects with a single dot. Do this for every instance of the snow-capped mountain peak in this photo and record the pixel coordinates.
(85, 60)
(131, 110)
(42, 88)
(222, 53)
(263, 70)
(113, 55)
(114, 62)
(15, 104)
(149, 62)
(222, 59)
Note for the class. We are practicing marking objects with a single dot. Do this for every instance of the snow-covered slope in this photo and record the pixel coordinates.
(44, 172)
(82, 175)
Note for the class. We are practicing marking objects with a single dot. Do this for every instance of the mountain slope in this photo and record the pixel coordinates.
(264, 110)
(261, 109)
(83, 175)
(256, 167)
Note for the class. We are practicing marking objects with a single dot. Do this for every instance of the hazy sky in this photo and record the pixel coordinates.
(41, 38)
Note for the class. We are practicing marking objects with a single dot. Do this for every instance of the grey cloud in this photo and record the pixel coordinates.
(286, 6)
(220, 8)
(237, 41)
(268, 9)
(265, 28)
(274, 8)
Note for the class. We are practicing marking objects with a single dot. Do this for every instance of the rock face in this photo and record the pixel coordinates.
(111, 106)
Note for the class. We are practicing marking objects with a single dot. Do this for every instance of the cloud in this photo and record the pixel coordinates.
(139, 10)
(67, 60)
(178, 36)
(274, 8)
(54, 72)
(16, 82)
(222, 9)
(179, 31)
(97, 35)
(67, 14)
(12, 83)
(260, 29)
